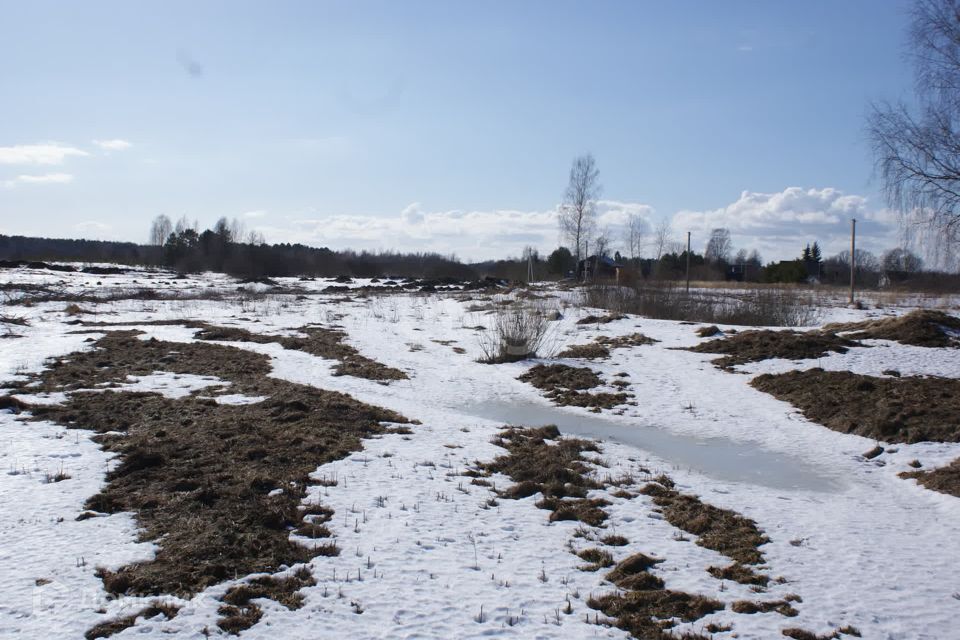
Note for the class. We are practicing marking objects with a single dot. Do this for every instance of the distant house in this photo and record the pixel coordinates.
(598, 267)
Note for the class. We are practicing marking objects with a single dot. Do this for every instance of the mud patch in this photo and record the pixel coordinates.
(906, 409)
(565, 386)
(216, 486)
(757, 345)
(921, 328)
(945, 479)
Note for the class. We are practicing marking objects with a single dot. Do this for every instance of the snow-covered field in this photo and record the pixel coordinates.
(424, 554)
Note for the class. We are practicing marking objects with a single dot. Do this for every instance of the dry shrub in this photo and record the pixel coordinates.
(906, 409)
(518, 332)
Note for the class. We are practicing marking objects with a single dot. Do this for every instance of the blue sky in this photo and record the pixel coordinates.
(446, 126)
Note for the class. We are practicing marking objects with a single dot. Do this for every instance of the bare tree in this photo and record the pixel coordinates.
(578, 212)
(719, 246)
(917, 148)
(602, 243)
(160, 230)
(661, 238)
(256, 238)
(901, 260)
(636, 235)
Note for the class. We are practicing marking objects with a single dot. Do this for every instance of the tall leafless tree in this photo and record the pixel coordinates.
(661, 238)
(917, 148)
(578, 212)
(636, 235)
(160, 230)
(719, 246)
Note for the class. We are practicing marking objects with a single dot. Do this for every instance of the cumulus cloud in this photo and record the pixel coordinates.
(780, 224)
(113, 145)
(47, 153)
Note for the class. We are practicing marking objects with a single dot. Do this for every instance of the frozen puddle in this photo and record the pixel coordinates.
(718, 458)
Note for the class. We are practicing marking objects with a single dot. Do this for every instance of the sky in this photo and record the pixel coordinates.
(448, 126)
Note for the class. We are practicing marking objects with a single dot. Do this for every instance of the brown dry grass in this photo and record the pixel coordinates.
(319, 341)
(240, 612)
(756, 345)
(116, 625)
(921, 328)
(589, 351)
(721, 530)
(564, 385)
(540, 461)
(945, 479)
(197, 473)
(591, 319)
(906, 409)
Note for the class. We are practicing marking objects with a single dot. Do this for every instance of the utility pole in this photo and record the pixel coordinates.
(688, 263)
(853, 256)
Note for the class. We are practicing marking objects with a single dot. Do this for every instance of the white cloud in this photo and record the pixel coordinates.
(780, 224)
(47, 178)
(47, 153)
(113, 145)
(93, 228)
(257, 213)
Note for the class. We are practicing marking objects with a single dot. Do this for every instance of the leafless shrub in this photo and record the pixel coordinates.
(517, 332)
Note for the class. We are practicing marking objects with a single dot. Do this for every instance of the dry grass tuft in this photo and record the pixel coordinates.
(240, 612)
(564, 385)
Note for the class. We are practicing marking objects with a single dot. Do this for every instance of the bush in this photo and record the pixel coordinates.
(518, 332)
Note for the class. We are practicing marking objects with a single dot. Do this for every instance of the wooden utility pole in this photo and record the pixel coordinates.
(853, 256)
(688, 262)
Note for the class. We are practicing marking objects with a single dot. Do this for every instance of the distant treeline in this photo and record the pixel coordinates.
(209, 251)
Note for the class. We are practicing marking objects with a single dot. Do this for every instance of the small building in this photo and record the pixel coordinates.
(598, 268)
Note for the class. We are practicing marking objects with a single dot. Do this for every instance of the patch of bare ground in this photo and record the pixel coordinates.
(721, 530)
(708, 331)
(945, 479)
(591, 319)
(240, 612)
(783, 607)
(217, 487)
(115, 626)
(538, 460)
(906, 409)
(319, 341)
(802, 634)
(757, 345)
(565, 386)
(589, 351)
(600, 347)
(629, 340)
(921, 328)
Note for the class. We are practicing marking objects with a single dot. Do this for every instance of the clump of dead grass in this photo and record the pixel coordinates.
(240, 612)
(921, 328)
(721, 530)
(905, 409)
(756, 345)
(592, 319)
(565, 386)
(945, 479)
(538, 460)
(115, 626)
(589, 351)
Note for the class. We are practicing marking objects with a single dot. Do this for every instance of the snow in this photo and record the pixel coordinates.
(422, 548)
